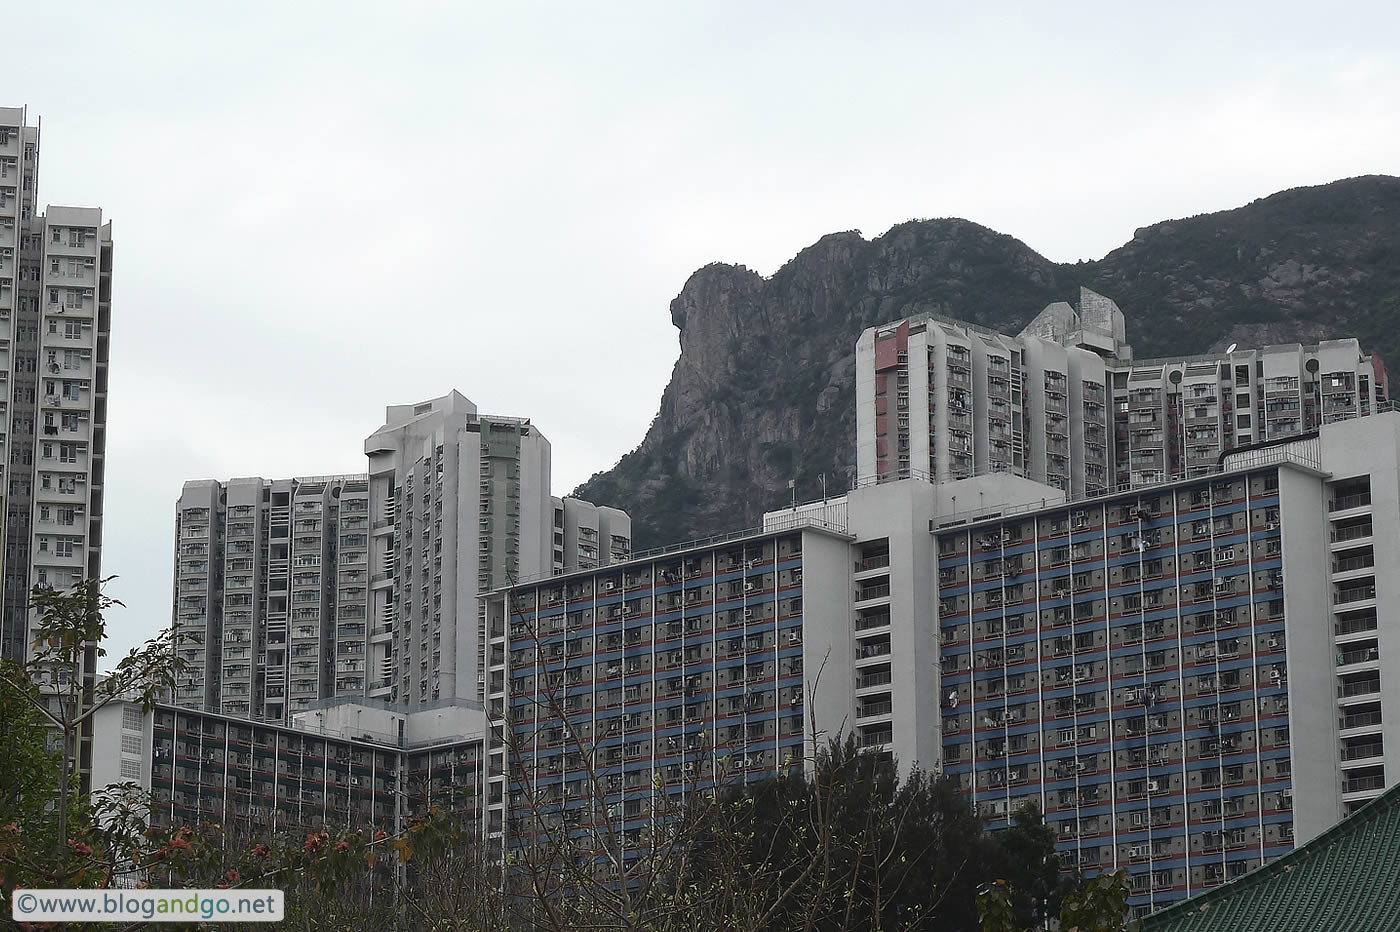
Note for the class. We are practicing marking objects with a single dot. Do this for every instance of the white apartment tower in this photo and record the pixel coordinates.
(272, 578)
(459, 504)
(1065, 403)
(55, 319)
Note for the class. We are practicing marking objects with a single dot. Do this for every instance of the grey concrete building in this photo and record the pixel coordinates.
(588, 535)
(272, 581)
(1065, 403)
(339, 765)
(55, 321)
(305, 589)
(460, 503)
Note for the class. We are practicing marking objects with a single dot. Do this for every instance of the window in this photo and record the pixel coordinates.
(131, 744)
(67, 452)
(63, 547)
(72, 329)
(131, 770)
(71, 389)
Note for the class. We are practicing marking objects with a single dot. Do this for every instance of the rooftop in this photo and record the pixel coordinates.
(1343, 879)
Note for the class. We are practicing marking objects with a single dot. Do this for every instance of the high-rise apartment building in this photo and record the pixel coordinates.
(695, 666)
(307, 589)
(55, 320)
(1185, 678)
(459, 503)
(1065, 403)
(272, 576)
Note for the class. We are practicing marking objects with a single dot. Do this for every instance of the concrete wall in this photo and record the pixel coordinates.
(1312, 677)
(827, 644)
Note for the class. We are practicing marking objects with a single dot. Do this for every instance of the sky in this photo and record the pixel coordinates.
(320, 209)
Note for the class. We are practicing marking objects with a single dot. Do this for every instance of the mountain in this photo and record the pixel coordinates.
(763, 391)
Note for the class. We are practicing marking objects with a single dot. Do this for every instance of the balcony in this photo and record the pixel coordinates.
(872, 709)
(870, 678)
(1350, 563)
(1363, 784)
(1347, 595)
(1351, 532)
(1346, 502)
(1361, 686)
(867, 593)
(1362, 751)
(866, 622)
(1366, 719)
(1351, 656)
(880, 647)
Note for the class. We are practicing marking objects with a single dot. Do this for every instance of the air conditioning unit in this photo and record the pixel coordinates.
(1275, 674)
(794, 637)
(354, 781)
(609, 586)
(1137, 851)
(750, 586)
(748, 613)
(1153, 786)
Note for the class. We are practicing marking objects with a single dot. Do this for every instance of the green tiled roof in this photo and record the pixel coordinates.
(1346, 879)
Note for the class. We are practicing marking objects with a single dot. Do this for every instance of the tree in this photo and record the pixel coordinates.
(30, 768)
(1100, 905)
(59, 686)
(891, 854)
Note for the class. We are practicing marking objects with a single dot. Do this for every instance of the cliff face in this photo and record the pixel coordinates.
(763, 391)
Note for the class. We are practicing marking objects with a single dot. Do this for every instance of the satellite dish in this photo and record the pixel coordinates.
(1231, 348)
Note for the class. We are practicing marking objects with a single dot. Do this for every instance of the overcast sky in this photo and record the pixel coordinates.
(321, 209)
